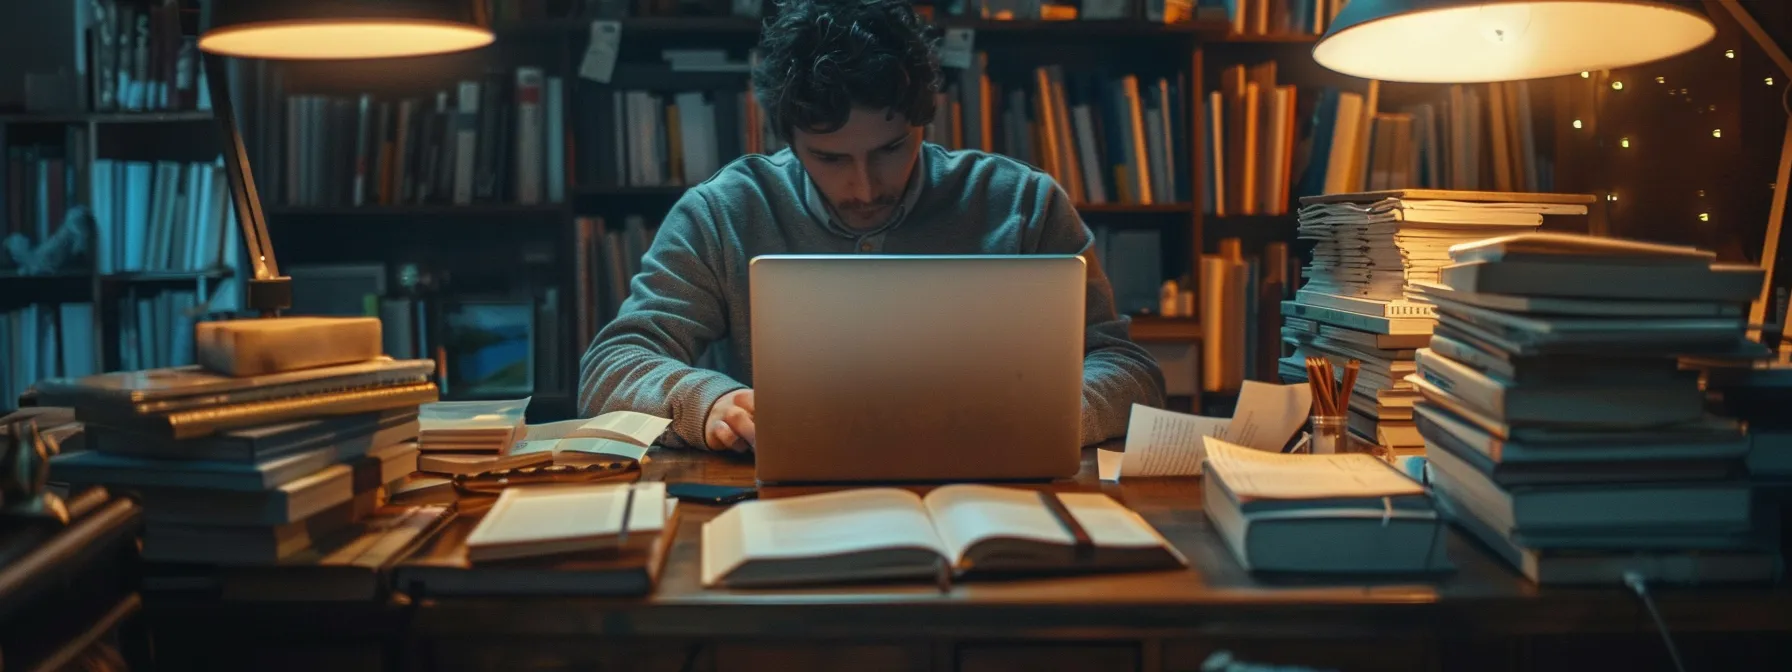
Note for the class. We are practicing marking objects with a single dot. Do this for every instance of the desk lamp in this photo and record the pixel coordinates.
(1471, 41)
(310, 30)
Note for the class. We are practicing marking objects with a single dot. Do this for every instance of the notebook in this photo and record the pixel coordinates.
(956, 530)
(552, 520)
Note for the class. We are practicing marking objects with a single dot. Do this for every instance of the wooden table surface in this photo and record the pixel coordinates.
(1212, 596)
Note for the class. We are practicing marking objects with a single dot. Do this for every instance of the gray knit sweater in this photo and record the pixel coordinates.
(691, 293)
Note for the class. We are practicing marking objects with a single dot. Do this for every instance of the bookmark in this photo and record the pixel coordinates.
(628, 512)
(1085, 546)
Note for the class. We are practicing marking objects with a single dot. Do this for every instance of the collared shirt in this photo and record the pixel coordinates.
(868, 241)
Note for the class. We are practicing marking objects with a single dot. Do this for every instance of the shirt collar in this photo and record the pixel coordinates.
(820, 210)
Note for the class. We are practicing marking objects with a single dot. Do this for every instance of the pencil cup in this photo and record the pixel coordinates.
(1329, 435)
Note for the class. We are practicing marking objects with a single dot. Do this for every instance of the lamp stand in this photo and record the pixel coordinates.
(269, 292)
(1770, 248)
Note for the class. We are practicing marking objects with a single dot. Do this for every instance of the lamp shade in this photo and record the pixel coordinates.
(339, 29)
(1465, 41)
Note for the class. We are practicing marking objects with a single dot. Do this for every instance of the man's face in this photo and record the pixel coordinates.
(862, 168)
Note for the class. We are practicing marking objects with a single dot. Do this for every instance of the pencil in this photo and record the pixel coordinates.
(1350, 381)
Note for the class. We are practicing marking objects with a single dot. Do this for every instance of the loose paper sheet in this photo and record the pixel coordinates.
(1255, 474)
(1167, 443)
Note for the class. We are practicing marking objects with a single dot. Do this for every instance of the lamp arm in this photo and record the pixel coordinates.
(268, 291)
(1770, 247)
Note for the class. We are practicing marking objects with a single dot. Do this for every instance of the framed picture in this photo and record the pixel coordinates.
(490, 347)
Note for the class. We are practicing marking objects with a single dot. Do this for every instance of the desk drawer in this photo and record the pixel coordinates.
(784, 657)
(1033, 657)
(1344, 655)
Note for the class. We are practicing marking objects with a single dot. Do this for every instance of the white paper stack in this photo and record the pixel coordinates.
(1360, 299)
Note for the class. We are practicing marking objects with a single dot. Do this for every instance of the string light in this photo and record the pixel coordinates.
(1729, 53)
(1584, 74)
(1717, 132)
(1577, 123)
(1611, 197)
(1701, 193)
(1661, 80)
(1624, 142)
(1617, 86)
(1704, 216)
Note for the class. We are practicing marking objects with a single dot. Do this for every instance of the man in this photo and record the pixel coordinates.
(849, 84)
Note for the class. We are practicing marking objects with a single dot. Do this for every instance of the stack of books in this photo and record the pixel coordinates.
(1358, 301)
(1559, 426)
(470, 437)
(240, 476)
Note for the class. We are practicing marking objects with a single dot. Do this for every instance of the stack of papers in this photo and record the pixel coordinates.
(1372, 250)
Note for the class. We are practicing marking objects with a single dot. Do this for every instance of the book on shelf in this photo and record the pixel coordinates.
(1277, 17)
(43, 340)
(1105, 138)
(957, 530)
(499, 138)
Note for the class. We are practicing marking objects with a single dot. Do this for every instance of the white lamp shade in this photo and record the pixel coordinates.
(1465, 41)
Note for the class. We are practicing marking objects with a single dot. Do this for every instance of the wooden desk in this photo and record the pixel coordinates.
(1482, 616)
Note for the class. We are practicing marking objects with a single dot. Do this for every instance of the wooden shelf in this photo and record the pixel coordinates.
(62, 276)
(106, 117)
(1152, 329)
(472, 210)
(1283, 38)
(644, 192)
(652, 25)
(1135, 208)
(168, 276)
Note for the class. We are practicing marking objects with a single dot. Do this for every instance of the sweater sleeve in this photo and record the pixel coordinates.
(1117, 372)
(642, 360)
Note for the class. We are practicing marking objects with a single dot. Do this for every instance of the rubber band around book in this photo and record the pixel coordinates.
(1085, 546)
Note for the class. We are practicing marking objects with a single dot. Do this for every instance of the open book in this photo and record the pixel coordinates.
(888, 533)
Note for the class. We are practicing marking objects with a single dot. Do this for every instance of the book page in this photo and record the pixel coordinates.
(1166, 443)
(638, 428)
(833, 523)
(968, 514)
(1267, 415)
(1255, 474)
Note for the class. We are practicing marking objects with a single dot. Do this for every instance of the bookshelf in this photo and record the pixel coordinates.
(147, 171)
(434, 249)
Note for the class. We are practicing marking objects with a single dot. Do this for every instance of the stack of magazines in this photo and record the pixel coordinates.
(1559, 425)
(255, 471)
(1358, 303)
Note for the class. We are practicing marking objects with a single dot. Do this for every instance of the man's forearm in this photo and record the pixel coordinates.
(617, 375)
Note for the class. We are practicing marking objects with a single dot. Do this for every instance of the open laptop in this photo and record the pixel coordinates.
(917, 368)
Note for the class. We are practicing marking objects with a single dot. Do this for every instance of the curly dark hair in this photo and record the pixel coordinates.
(821, 58)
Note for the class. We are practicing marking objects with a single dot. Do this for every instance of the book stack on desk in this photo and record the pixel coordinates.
(252, 471)
(583, 539)
(469, 437)
(1357, 303)
(1560, 429)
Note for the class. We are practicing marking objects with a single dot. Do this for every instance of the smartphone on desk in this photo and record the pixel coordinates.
(704, 493)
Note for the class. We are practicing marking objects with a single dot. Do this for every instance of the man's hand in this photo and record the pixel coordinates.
(730, 422)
